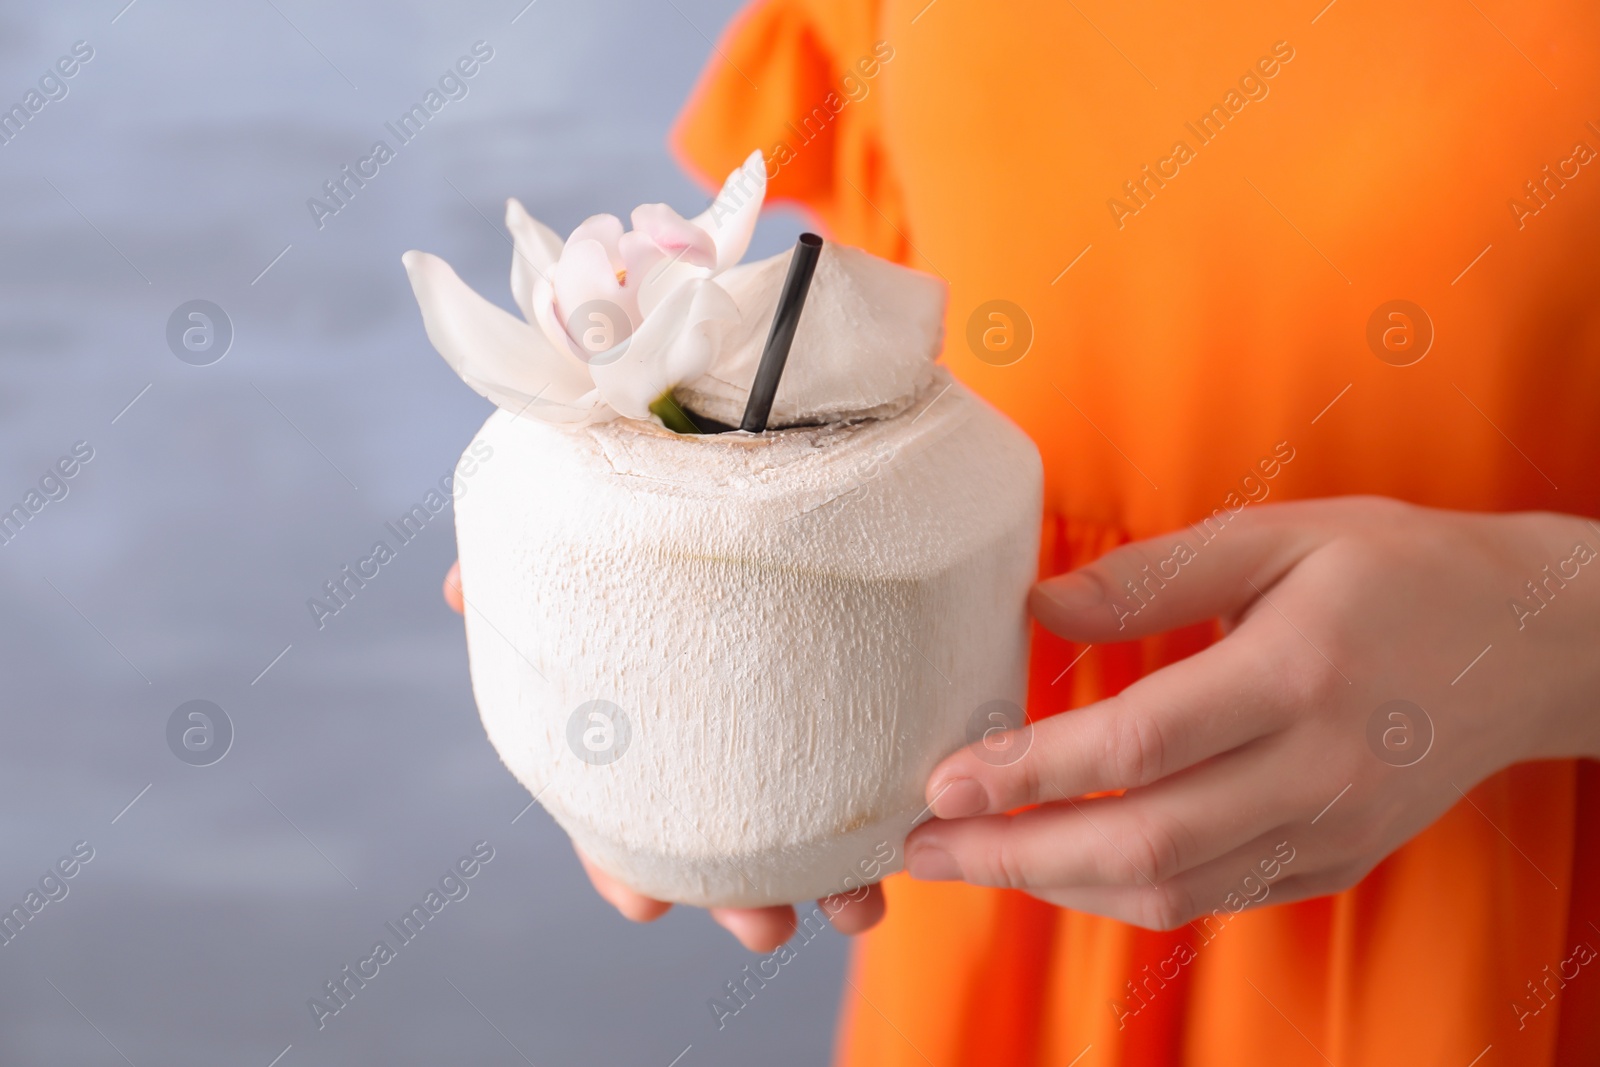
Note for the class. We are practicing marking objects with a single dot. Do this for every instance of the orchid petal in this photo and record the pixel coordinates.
(501, 357)
(614, 318)
(607, 229)
(675, 344)
(584, 272)
(592, 310)
(652, 273)
(642, 262)
(545, 317)
(675, 235)
(731, 218)
(663, 279)
(537, 248)
(593, 328)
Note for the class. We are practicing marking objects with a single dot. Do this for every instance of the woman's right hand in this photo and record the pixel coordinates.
(757, 929)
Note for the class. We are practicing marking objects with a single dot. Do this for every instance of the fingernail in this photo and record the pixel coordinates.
(1073, 592)
(928, 863)
(958, 798)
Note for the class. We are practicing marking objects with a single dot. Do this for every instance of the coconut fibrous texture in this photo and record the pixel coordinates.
(726, 664)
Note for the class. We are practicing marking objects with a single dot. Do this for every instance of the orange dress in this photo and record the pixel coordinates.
(1198, 213)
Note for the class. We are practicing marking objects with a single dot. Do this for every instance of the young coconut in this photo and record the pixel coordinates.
(727, 662)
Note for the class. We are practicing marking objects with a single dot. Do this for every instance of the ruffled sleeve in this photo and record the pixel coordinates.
(804, 81)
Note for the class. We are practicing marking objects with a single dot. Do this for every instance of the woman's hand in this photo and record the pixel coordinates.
(1273, 761)
(758, 929)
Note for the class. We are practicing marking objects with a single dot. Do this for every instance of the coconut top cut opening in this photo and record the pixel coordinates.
(780, 474)
(789, 439)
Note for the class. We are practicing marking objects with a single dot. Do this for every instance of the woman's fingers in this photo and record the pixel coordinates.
(452, 588)
(1200, 707)
(764, 929)
(1264, 871)
(1144, 838)
(634, 906)
(1211, 570)
(757, 929)
(851, 916)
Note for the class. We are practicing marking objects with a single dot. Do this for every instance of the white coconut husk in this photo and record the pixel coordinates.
(796, 626)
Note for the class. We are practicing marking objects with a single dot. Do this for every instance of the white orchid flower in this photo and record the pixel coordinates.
(614, 320)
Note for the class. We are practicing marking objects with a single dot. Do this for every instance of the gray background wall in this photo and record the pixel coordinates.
(179, 563)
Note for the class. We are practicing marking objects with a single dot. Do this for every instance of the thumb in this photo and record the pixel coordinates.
(452, 589)
(1213, 569)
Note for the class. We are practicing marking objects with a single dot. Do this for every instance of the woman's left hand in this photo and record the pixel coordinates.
(1375, 667)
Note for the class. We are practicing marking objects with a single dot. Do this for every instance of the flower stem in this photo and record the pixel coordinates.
(672, 416)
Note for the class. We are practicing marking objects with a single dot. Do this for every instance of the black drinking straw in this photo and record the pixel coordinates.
(784, 323)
